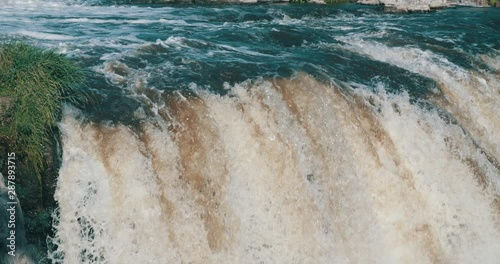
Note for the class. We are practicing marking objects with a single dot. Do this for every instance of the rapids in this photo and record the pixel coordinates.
(275, 133)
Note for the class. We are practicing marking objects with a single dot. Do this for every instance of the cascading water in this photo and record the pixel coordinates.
(276, 134)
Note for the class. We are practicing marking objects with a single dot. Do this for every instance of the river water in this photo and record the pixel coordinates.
(274, 133)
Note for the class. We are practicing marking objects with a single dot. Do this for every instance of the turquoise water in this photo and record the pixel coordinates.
(275, 133)
(176, 46)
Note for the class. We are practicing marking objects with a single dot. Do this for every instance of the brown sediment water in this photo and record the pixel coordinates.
(279, 171)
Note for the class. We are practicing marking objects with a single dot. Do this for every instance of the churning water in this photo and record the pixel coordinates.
(275, 133)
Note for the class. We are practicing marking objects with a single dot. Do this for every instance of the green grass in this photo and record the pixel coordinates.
(34, 82)
(338, 1)
(326, 1)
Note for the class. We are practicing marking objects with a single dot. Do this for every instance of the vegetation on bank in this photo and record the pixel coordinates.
(33, 85)
(326, 1)
(339, 1)
(162, 2)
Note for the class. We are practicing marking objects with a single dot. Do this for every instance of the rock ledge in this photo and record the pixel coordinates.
(405, 6)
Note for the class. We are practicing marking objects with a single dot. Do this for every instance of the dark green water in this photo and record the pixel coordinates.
(173, 47)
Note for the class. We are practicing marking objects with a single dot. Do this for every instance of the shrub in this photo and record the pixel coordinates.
(33, 85)
(338, 1)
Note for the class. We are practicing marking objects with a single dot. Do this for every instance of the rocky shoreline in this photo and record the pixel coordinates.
(394, 6)
(404, 6)
(34, 83)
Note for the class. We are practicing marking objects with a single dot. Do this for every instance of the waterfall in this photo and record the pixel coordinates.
(282, 171)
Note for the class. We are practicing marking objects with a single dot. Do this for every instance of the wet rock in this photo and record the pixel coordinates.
(406, 6)
(13, 244)
(310, 177)
(33, 221)
(370, 2)
(474, 3)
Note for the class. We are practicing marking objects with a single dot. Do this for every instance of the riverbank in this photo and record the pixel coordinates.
(393, 6)
(33, 85)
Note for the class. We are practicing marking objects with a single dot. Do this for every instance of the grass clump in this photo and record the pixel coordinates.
(326, 1)
(339, 1)
(33, 84)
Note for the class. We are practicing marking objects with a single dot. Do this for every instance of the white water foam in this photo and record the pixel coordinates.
(472, 97)
(279, 171)
(44, 35)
